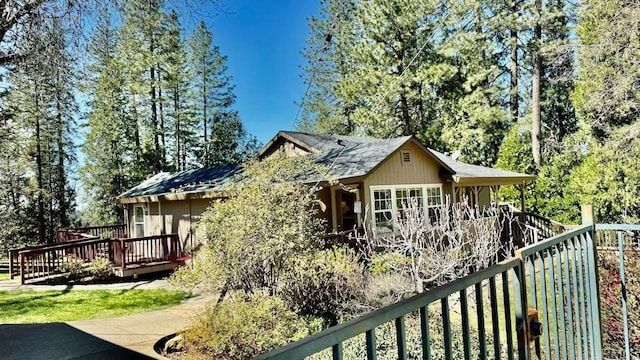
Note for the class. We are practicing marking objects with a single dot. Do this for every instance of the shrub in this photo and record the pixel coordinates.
(323, 283)
(101, 268)
(384, 289)
(268, 219)
(75, 268)
(244, 327)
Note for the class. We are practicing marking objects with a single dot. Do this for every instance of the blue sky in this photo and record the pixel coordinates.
(263, 40)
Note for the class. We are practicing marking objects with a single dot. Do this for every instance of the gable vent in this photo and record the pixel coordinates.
(406, 157)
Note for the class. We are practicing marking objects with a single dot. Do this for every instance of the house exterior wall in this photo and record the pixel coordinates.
(179, 217)
(422, 170)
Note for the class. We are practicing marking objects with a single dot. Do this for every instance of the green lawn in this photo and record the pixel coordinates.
(22, 307)
(4, 276)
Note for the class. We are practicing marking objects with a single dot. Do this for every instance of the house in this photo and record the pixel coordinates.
(373, 174)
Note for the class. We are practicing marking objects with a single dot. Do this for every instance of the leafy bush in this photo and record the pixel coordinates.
(101, 269)
(243, 327)
(323, 283)
(75, 268)
(385, 289)
(268, 219)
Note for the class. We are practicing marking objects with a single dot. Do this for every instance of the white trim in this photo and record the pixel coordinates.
(143, 223)
(393, 189)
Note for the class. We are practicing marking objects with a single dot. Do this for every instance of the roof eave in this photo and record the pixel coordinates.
(178, 196)
(493, 180)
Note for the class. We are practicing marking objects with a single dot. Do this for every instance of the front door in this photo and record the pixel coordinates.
(347, 218)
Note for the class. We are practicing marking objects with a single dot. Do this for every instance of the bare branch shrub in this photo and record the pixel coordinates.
(451, 242)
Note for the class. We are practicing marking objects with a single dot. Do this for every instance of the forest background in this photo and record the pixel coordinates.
(549, 88)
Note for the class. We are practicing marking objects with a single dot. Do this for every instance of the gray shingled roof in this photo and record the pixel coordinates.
(347, 157)
(465, 171)
(191, 181)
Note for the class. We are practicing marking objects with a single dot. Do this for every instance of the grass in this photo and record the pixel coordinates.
(27, 307)
(4, 276)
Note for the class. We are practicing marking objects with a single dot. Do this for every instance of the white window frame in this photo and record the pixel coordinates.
(136, 223)
(394, 204)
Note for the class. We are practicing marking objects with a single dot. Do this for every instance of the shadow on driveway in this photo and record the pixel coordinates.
(57, 341)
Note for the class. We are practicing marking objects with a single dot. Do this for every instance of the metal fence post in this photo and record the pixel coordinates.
(594, 281)
(520, 292)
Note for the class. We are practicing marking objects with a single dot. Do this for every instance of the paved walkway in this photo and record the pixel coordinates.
(127, 337)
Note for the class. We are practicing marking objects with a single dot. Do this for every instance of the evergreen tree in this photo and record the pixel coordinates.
(333, 34)
(407, 68)
(211, 98)
(181, 128)
(110, 145)
(41, 106)
(606, 95)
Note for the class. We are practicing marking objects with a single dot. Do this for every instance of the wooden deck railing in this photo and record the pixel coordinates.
(546, 227)
(117, 231)
(45, 260)
(144, 250)
(76, 245)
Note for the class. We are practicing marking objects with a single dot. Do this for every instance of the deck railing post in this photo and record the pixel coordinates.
(22, 269)
(11, 260)
(122, 252)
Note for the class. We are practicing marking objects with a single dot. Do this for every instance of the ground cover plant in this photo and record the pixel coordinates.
(25, 307)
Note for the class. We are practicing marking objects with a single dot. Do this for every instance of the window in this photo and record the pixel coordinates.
(391, 200)
(382, 209)
(138, 221)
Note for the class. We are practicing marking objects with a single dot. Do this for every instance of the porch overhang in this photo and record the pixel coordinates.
(174, 197)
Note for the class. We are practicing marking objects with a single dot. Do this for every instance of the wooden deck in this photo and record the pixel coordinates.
(146, 268)
(134, 256)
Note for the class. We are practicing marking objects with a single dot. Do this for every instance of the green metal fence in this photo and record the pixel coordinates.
(562, 285)
(620, 243)
(557, 276)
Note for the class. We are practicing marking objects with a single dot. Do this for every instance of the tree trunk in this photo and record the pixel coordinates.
(63, 204)
(163, 148)
(176, 112)
(536, 124)
(154, 118)
(513, 64)
(205, 121)
(42, 237)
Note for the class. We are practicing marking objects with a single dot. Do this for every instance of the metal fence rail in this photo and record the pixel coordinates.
(617, 242)
(557, 276)
(562, 284)
(505, 274)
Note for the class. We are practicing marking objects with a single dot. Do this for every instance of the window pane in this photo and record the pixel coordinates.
(139, 214)
(382, 199)
(139, 230)
(434, 196)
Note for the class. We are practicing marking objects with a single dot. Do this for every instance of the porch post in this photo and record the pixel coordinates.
(163, 229)
(587, 214)
(334, 211)
(522, 197)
